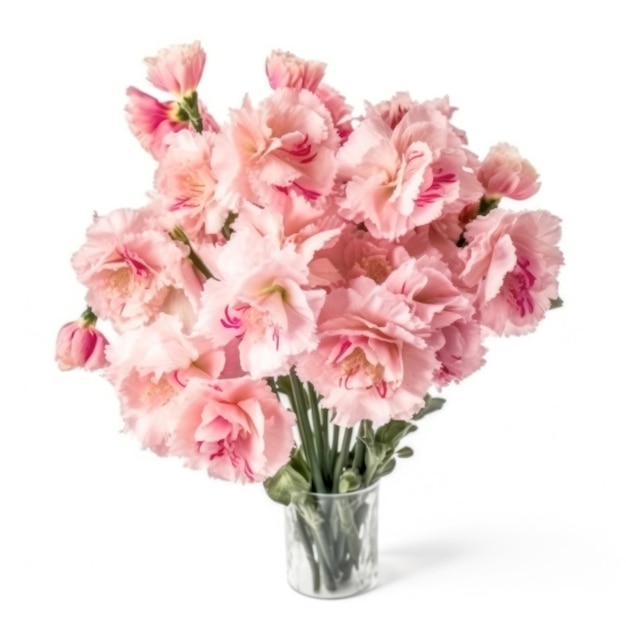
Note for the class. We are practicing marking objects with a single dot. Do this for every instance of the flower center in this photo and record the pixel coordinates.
(357, 362)
(518, 283)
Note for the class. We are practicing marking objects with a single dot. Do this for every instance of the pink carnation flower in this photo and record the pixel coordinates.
(284, 69)
(461, 354)
(80, 344)
(177, 69)
(402, 178)
(392, 111)
(511, 262)
(151, 120)
(149, 367)
(371, 362)
(339, 109)
(446, 311)
(235, 429)
(284, 147)
(505, 173)
(261, 297)
(187, 183)
(131, 269)
(356, 253)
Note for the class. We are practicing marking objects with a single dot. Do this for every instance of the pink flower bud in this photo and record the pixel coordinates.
(80, 345)
(177, 69)
(284, 69)
(505, 173)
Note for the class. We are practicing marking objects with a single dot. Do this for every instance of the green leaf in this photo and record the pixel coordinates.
(350, 480)
(557, 303)
(393, 431)
(431, 405)
(285, 484)
(404, 453)
(387, 468)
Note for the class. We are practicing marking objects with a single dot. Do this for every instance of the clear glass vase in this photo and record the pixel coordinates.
(332, 543)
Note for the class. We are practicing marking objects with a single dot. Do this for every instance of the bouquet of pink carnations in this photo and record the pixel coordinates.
(301, 278)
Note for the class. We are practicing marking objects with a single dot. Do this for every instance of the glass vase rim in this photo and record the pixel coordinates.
(333, 496)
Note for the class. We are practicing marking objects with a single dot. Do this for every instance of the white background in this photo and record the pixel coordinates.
(513, 509)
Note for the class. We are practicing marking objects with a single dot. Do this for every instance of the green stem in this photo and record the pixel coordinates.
(178, 234)
(342, 459)
(317, 430)
(334, 448)
(305, 431)
(359, 449)
(370, 471)
(308, 548)
(189, 104)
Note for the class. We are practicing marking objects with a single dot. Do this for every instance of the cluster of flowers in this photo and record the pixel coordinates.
(365, 255)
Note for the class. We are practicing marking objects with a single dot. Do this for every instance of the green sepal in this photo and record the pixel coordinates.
(557, 303)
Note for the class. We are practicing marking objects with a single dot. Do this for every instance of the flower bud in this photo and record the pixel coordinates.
(177, 69)
(80, 344)
(284, 69)
(505, 173)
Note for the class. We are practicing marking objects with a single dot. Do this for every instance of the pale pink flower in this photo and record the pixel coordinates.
(80, 344)
(187, 183)
(447, 312)
(505, 173)
(511, 262)
(462, 352)
(308, 227)
(284, 69)
(149, 367)
(235, 429)
(392, 111)
(151, 120)
(261, 296)
(356, 253)
(130, 269)
(427, 284)
(402, 178)
(339, 109)
(285, 147)
(177, 69)
(371, 362)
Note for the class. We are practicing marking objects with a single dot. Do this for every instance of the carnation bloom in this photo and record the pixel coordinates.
(149, 366)
(371, 362)
(446, 311)
(80, 344)
(505, 173)
(284, 147)
(511, 263)
(284, 69)
(339, 109)
(402, 178)
(261, 296)
(131, 269)
(151, 120)
(187, 183)
(177, 69)
(235, 429)
(356, 253)
(462, 352)
(392, 111)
